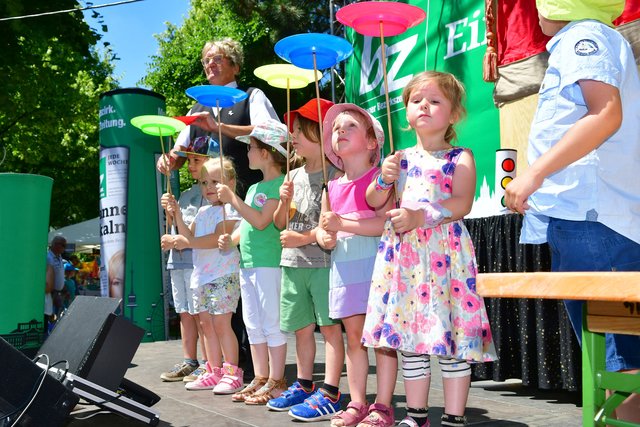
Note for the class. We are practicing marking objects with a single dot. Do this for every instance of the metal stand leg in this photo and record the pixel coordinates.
(593, 360)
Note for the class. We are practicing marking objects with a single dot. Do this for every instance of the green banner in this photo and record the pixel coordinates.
(24, 220)
(451, 39)
(132, 267)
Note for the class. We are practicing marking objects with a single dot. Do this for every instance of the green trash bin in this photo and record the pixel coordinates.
(24, 222)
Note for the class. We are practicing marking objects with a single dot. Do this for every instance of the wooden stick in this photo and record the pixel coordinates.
(168, 174)
(386, 85)
(166, 161)
(386, 96)
(289, 124)
(224, 214)
(324, 164)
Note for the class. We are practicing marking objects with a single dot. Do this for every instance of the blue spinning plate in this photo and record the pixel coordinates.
(301, 48)
(216, 96)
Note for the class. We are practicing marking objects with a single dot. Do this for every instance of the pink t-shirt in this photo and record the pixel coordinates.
(348, 198)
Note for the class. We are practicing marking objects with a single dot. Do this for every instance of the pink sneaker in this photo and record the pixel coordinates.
(231, 381)
(207, 380)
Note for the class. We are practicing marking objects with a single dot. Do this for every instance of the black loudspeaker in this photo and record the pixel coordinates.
(138, 393)
(97, 344)
(22, 384)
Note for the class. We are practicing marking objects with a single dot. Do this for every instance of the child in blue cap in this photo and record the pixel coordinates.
(70, 283)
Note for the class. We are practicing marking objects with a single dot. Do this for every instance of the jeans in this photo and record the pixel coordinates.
(591, 246)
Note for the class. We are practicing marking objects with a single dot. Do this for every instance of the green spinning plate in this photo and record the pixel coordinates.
(158, 125)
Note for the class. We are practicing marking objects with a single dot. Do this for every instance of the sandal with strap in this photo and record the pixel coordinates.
(379, 416)
(350, 419)
(249, 390)
(265, 394)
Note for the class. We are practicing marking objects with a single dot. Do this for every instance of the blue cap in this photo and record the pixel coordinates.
(69, 267)
(201, 146)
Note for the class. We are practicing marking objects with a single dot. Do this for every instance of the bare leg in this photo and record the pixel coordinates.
(386, 371)
(260, 356)
(357, 359)
(189, 335)
(277, 361)
(226, 337)
(203, 348)
(334, 353)
(305, 351)
(417, 392)
(456, 391)
(211, 342)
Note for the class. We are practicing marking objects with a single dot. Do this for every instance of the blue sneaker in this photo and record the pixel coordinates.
(294, 395)
(316, 407)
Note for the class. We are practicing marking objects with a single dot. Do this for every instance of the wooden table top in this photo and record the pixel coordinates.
(590, 285)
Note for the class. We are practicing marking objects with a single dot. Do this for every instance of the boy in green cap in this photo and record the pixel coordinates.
(584, 152)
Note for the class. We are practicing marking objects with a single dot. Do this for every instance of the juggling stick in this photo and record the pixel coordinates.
(218, 96)
(153, 125)
(364, 17)
(289, 77)
(314, 51)
(224, 213)
(167, 223)
(325, 175)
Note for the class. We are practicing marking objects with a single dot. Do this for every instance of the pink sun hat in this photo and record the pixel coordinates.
(327, 127)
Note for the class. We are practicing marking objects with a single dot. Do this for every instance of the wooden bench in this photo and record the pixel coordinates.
(613, 305)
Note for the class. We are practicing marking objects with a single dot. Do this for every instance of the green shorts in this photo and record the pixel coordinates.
(304, 298)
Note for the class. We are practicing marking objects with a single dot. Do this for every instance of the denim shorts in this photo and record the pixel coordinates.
(181, 290)
(591, 246)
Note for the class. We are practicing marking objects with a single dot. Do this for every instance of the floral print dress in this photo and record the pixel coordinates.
(423, 296)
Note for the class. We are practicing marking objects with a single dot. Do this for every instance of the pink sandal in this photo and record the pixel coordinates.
(379, 416)
(349, 419)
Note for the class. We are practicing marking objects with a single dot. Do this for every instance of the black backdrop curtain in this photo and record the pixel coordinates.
(533, 337)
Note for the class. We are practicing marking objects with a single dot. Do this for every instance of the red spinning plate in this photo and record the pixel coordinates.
(187, 120)
(365, 17)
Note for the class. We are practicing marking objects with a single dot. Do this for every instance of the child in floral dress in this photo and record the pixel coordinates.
(423, 300)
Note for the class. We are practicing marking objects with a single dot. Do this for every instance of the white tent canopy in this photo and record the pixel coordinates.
(86, 233)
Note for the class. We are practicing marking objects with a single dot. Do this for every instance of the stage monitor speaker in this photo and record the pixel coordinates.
(138, 393)
(98, 344)
(20, 378)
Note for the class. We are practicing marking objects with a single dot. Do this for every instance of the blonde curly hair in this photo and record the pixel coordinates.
(230, 48)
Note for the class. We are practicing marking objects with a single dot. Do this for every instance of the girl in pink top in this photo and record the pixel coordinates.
(352, 229)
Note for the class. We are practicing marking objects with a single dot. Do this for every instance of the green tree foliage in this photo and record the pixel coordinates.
(256, 24)
(52, 77)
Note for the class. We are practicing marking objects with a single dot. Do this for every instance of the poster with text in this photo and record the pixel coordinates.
(114, 176)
